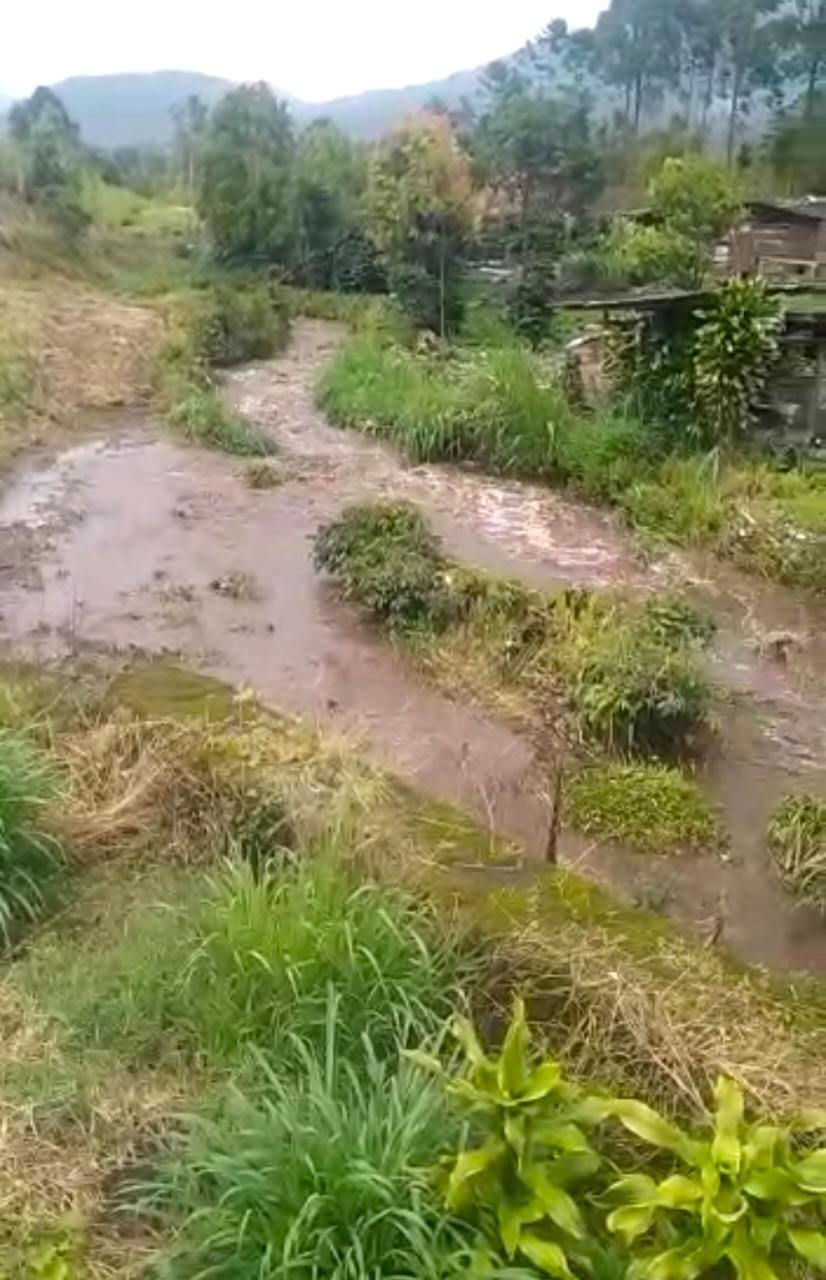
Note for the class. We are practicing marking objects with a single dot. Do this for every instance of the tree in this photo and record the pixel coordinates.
(51, 157)
(751, 58)
(190, 117)
(421, 209)
(332, 250)
(245, 194)
(636, 48)
(795, 147)
(697, 198)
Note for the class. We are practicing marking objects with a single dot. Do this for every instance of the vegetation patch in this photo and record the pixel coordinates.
(264, 475)
(628, 673)
(651, 807)
(797, 843)
(31, 861)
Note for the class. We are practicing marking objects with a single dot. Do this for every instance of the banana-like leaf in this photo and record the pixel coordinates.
(511, 1217)
(726, 1149)
(762, 1146)
(774, 1184)
(678, 1192)
(573, 1166)
(631, 1221)
(515, 1132)
(763, 1231)
(556, 1203)
(512, 1069)
(545, 1255)
(634, 1188)
(542, 1081)
(468, 1166)
(560, 1135)
(749, 1261)
(649, 1125)
(810, 1172)
(681, 1263)
(811, 1245)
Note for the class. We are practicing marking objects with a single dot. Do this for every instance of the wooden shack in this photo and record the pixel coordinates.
(782, 240)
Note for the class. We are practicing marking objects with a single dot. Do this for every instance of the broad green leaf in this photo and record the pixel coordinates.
(465, 1033)
(574, 1166)
(591, 1110)
(634, 1188)
(749, 1262)
(512, 1216)
(678, 1192)
(542, 1081)
(682, 1263)
(469, 1165)
(772, 1184)
(763, 1231)
(649, 1125)
(556, 1202)
(512, 1069)
(811, 1245)
(810, 1172)
(631, 1221)
(546, 1255)
(515, 1132)
(726, 1150)
(560, 1136)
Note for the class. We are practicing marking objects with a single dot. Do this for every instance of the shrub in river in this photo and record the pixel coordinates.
(30, 861)
(239, 320)
(384, 557)
(264, 475)
(797, 843)
(320, 1176)
(649, 806)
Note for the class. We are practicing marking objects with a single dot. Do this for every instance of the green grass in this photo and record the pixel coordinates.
(796, 838)
(199, 413)
(650, 807)
(325, 1174)
(628, 673)
(247, 961)
(31, 861)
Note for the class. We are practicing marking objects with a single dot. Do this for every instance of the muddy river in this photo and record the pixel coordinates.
(132, 542)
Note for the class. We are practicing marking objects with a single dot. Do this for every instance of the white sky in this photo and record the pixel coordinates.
(315, 49)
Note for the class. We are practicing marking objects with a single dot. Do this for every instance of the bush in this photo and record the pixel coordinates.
(201, 415)
(384, 557)
(796, 838)
(651, 807)
(30, 860)
(322, 1176)
(233, 322)
(602, 456)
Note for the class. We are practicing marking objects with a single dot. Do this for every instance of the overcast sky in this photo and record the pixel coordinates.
(315, 49)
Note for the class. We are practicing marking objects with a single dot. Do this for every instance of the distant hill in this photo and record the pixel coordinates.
(119, 110)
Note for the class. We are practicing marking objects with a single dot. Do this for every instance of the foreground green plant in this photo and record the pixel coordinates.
(747, 1201)
(201, 416)
(796, 837)
(30, 860)
(527, 1167)
(651, 807)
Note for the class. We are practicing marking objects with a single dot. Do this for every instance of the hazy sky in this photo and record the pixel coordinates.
(315, 49)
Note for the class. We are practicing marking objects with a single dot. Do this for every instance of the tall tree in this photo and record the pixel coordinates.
(751, 57)
(190, 117)
(421, 209)
(245, 194)
(51, 157)
(636, 48)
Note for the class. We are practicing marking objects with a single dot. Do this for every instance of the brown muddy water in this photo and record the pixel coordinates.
(134, 543)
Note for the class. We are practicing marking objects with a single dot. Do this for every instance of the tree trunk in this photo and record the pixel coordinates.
(731, 136)
(637, 103)
(708, 95)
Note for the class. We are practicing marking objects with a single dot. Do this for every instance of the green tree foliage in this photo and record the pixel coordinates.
(421, 208)
(696, 198)
(795, 147)
(51, 157)
(190, 119)
(246, 190)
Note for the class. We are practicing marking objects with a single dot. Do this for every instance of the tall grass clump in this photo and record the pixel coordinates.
(646, 805)
(250, 958)
(494, 407)
(324, 1174)
(796, 838)
(31, 861)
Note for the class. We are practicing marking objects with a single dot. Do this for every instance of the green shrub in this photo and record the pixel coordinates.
(603, 455)
(237, 321)
(796, 837)
(384, 557)
(30, 860)
(321, 1176)
(651, 807)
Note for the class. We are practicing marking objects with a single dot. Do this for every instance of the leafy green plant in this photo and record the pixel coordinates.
(201, 415)
(384, 557)
(30, 860)
(733, 350)
(796, 838)
(525, 1169)
(652, 807)
(237, 320)
(749, 1201)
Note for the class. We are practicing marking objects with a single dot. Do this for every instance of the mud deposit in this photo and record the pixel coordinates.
(135, 543)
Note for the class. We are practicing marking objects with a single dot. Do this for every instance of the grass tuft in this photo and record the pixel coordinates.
(648, 806)
(31, 861)
(796, 838)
